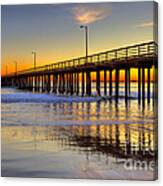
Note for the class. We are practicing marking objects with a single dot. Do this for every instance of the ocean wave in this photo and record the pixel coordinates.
(44, 98)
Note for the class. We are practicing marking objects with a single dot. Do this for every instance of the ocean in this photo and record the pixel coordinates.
(59, 136)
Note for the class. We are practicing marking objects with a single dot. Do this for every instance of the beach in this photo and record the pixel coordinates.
(77, 138)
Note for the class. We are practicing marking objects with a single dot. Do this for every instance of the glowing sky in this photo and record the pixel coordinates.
(53, 30)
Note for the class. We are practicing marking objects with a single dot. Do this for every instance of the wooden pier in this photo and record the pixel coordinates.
(73, 77)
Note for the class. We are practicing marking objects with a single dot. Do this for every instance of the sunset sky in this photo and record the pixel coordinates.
(53, 30)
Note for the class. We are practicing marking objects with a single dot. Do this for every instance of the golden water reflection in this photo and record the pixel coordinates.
(134, 141)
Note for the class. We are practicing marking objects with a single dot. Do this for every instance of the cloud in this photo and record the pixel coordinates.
(145, 25)
(88, 14)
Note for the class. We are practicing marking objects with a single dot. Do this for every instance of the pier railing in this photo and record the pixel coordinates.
(142, 50)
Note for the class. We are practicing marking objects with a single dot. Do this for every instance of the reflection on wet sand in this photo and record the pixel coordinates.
(116, 141)
(79, 140)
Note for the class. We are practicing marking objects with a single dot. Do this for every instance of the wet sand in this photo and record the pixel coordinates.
(49, 152)
(89, 139)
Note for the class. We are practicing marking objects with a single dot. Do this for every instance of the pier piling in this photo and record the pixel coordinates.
(98, 82)
(105, 82)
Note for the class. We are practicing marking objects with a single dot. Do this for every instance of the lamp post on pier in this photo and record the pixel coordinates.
(34, 59)
(85, 27)
(15, 62)
(6, 70)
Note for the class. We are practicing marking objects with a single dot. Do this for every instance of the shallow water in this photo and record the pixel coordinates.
(57, 136)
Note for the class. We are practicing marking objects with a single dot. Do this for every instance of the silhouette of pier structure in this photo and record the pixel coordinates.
(74, 77)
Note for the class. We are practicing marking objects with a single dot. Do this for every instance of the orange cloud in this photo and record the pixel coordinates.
(145, 24)
(87, 15)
